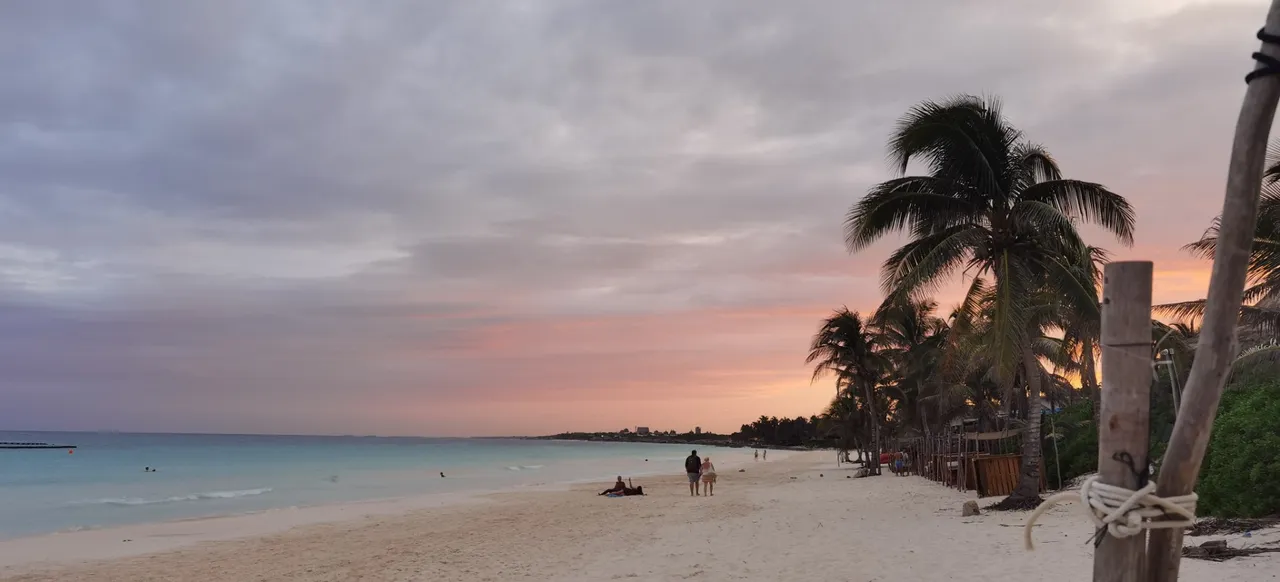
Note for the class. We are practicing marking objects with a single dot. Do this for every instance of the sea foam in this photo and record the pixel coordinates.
(129, 501)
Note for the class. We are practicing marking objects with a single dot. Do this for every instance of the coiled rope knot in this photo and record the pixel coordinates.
(1122, 512)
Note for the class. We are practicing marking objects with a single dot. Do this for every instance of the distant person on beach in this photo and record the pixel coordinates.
(693, 466)
(618, 487)
(708, 476)
(766, 454)
(757, 454)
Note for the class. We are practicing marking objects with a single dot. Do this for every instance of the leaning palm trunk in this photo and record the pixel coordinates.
(1216, 348)
(1029, 478)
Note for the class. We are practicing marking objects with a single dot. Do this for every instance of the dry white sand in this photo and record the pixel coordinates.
(780, 520)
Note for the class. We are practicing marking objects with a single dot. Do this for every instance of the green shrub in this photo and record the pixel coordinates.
(1241, 472)
(1072, 446)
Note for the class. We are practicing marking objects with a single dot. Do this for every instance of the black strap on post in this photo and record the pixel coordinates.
(1271, 65)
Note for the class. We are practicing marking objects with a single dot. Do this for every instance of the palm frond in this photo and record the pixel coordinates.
(964, 138)
(1033, 216)
(1259, 359)
(927, 260)
(1272, 173)
(1089, 202)
(917, 203)
(1181, 309)
(1009, 312)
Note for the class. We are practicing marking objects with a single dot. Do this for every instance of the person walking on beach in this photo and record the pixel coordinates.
(757, 454)
(708, 477)
(693, 466)
(766, 454)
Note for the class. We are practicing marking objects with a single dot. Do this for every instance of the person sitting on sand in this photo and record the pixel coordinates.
(618, 487)
(630, 490)
(708, 476)
(693, 467)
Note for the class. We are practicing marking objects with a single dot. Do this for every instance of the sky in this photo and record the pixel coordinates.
(524, 217)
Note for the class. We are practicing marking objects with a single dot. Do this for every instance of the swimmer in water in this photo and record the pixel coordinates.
(442, 474)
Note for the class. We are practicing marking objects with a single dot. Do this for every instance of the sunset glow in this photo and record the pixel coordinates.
(457, 219)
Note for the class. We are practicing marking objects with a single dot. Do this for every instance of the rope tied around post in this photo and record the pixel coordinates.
(1122, 512)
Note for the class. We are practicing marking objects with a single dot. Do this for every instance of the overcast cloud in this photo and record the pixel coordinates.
(482, 217)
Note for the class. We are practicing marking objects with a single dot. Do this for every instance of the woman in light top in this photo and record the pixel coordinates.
(708, 477)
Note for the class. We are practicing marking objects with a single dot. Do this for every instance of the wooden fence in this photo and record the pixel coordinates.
(986, 463)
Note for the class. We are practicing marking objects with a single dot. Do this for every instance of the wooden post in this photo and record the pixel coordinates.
(1217, 345)
(1123, 434)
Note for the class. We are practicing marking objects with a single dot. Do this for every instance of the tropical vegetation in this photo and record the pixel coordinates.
(1241, 474)
(1020, 348)
(784, 432)
(993, 208)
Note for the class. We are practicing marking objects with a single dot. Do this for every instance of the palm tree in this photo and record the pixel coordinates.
(1046, 310)
(914, 341)
(1082, 328)
(845, 347)
(1260, 315)
(844, 420)
(990, 203)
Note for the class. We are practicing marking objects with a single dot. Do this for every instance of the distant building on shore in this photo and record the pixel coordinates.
(697, 430)
(642, 430)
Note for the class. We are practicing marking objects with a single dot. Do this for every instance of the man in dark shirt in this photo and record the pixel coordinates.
(693, 466)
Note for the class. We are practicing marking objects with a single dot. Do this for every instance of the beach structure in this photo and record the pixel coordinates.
(987, 463)
(642, 430)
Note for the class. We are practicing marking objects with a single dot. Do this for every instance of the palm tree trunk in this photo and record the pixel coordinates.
(1089, 373)
(1029, 479)
(924, 421)
(874, 457)
(1089, 377)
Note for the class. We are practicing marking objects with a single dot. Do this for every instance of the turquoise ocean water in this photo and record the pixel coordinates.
(103, 483)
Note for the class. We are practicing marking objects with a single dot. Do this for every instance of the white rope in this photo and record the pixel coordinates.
(1123, 512)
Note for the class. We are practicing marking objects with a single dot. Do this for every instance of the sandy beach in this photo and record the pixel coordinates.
(799, 517)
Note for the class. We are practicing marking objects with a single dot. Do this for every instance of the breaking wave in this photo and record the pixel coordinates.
(130, 501)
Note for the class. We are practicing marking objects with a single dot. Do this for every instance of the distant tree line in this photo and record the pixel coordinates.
(784, 432)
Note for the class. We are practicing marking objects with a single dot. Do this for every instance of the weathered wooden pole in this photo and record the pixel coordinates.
(1217, 345)
(1123, 434)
